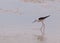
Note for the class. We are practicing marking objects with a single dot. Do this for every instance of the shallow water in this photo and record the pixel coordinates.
(20, 29)
(28, 37)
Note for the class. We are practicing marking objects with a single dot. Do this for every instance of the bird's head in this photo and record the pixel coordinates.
(36, 20)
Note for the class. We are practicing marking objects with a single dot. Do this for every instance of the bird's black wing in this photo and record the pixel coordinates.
(42, 18)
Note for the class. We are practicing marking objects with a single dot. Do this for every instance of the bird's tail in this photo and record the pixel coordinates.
(47, 16)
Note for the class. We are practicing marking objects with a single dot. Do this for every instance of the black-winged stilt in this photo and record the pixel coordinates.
(41, 19)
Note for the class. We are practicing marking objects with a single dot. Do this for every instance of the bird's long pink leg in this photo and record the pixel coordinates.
(42, 28)
(43, 33)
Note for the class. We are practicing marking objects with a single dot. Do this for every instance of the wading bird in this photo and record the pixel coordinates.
(41, 19)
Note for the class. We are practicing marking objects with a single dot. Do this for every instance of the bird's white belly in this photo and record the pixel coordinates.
(39, 20)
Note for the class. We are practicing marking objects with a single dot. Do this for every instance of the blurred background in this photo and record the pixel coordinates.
(16, 17)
